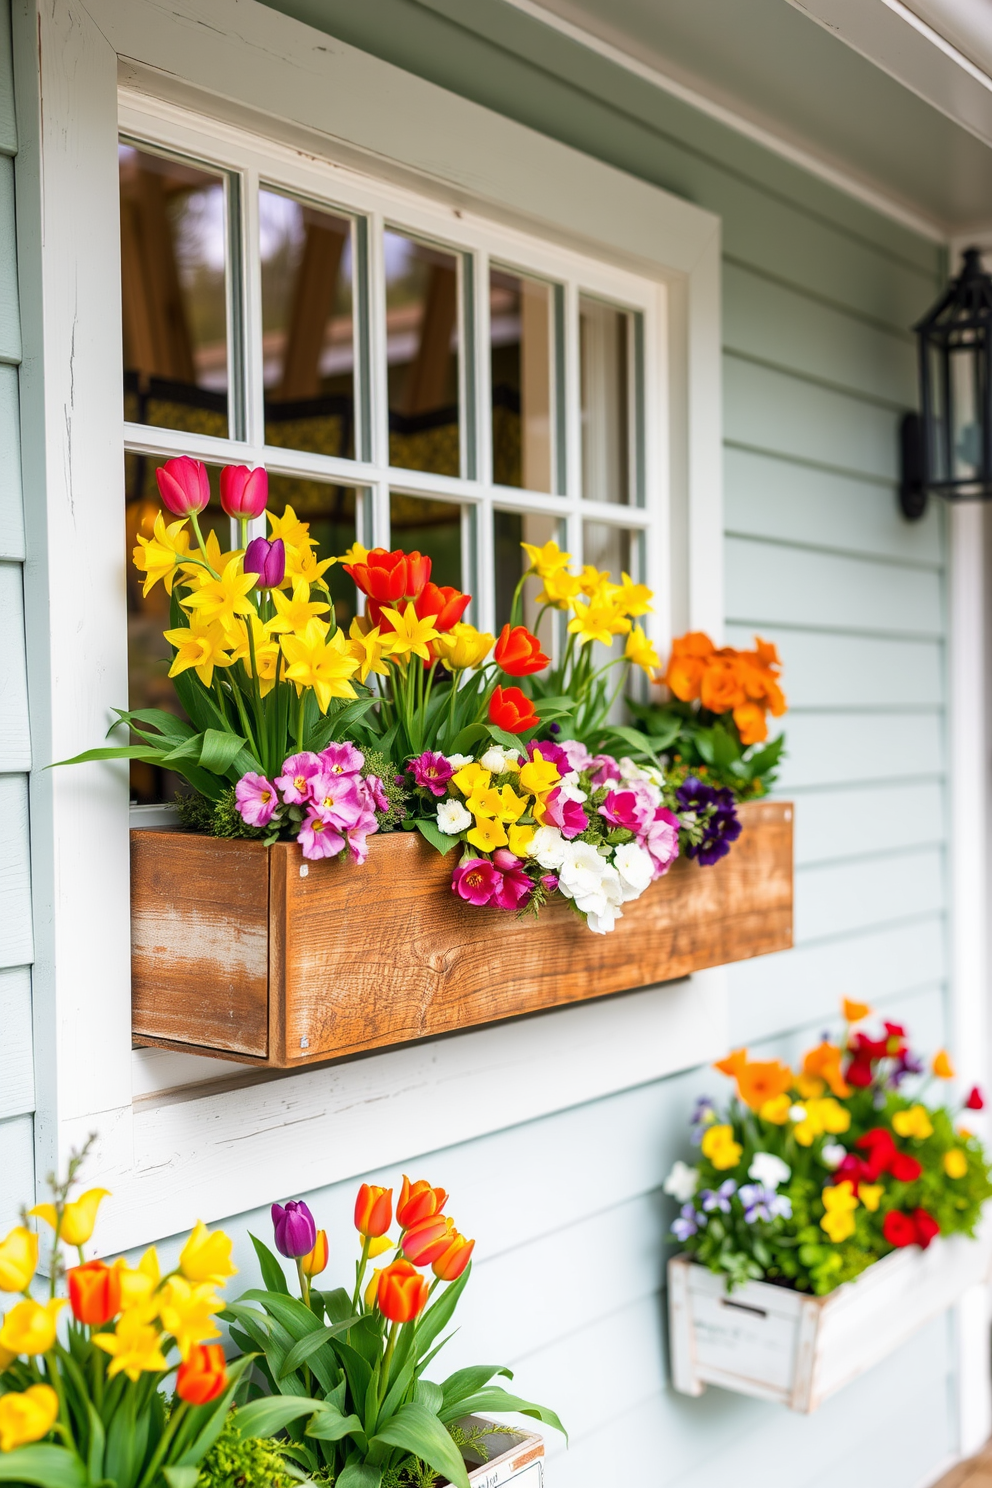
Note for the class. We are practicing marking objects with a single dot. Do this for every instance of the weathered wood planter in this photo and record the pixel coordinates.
(786, 1346)
(250, 953)
(516, 1457)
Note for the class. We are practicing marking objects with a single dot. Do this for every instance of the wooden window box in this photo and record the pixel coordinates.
(511, 1457)
(250, 953)
(787, 1346)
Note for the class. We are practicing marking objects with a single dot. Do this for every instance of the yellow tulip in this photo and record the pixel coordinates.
(955, 1163)
(913, 1123)
(78, 1217)
(135, 1347)
(29, 1328)
(27, 1416)
(186, 1312)
(206, 1256)
(372, 1290)
(139, 1282)
(942, 1066)
(18, 1259)
(463, 647)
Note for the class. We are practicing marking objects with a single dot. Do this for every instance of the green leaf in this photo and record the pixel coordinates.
(494, 1399)
(219, 750)
(465, 742)
(43, 1464)
(432, 833)
(267, 1416)
(181, 1477)
(429, 1395)
(337, 1304)
(166, 723)
(465, 1382)
(418, 1430)
(302, 1350)
(188, 748)
(330, 1424)
(359, 1475)
(635, 738)
(272, 1273)
(111, 752)
(509, 741)
(94, 1457)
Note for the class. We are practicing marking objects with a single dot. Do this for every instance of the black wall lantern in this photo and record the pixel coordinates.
(947, 448)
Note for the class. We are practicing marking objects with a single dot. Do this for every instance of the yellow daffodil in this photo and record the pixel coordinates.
(369, 650)
(913, 1123)
(294, 533)
(776, 1110)
(870, 1195)
(539, 774)
(324, 665)
(410, 635)
(547, 560)
(204, 644)
(821, 1116)
(840, 1201)
(303, 564)
(519, 839)
(135, 1348)
(225, 598)
(158, 556)
(295, 614)
(597, 622)
(471, 778)
(641, 652)
(138, 1283)
(511, 806)
(206, 1256)
(487, 835)
(357, 553)
(29, 1328)
(719, 1146)
(955, 1163)
(266, 650)
(78, 1217)
(463, 647)
(18, 1259)
(186, 1311)
(594, 581)
(559, 589)
(27, 1416)
(633, 599)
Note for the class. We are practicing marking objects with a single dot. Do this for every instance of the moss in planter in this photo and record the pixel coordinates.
(236, 1461)
(378, 764)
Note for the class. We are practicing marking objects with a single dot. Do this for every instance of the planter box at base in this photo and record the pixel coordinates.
(251, 953)
(789, 1347)
(516, 1458)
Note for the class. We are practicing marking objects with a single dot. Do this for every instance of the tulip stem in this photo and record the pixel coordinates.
(388, 1359)
(165, 1441)
(360, 1271)
(304, 1283)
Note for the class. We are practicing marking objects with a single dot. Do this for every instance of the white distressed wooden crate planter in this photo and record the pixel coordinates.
(517, 1459)
(789, 1347)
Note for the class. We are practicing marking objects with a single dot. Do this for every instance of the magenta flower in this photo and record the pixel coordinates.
(296, 1232)
(297, 773)
(318, 839)
(243, 492)
(375, 794)
(358, 847)
(336, 799)
(606, 768)
(256, 799)
(342, 759)
(662, 840)
(622, 809)
(517, 887)
(476, 881)
(184, 486)
(568, 816)
(431, 771)
(577, 754)
(549, 881)
(268, 560)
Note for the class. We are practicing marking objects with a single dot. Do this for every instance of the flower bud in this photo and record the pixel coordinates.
(95, 1292)
(418, 1201)
(268, 560)
(373, 1210)
(315, 1261)
(296, 1232)
(243, 492)
(184, 486)
(18, 1259)
(428, 1240)
(452, 1262)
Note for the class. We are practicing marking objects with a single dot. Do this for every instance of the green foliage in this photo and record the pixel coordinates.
(708, 745)
(377, 763)
(237, 1461)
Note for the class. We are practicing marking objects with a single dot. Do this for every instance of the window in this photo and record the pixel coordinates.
(409, 376)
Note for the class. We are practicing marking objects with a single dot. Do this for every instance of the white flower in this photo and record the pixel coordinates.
(797, 1113)
(832, 1154)
(600, 903)
(769, 1170)
(602, 924)
(457, 761)
(650, 774)
(496, 757)
(452, 818)
(580, 874)
(682, 1182)
(548, 847)
(636, 868)
(567, 792)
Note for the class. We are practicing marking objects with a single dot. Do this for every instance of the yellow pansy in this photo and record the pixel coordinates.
(321, 664)
(135, 1347)
(18, 1259)
(840, 1201)
(776, 1109)
(538, 775)
(633, 599)
(471, 778)
(519, 839)
(870, 1195)
(78, 1217)
(158, 556)
(29, 1328)
(410, 636)
(138, 1282)
(597, 622)
(369, 649)
(559, 590)
(203, 644)
(27, 1416)
(463, 647)
(547, 560)
(913, 1123)
(641, 652)
(487, 835)
(187, 1312)
(719, 1146)
(296, 614)
(821, 1116)
(206, 1256)
(955, 1163)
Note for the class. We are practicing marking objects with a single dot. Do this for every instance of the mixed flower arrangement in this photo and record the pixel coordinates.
(807, 1178)
(296, 730)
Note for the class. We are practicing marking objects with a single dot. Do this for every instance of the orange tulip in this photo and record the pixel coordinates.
(315, 1261)
(452, 1262)
(518, 652)
(823, 1063)
(403, 1292)
(428, 1240)
(942, 1066)
(203, 1376)
(418, 1201)
(373, 1210)
(95, 1292)
(854, 1011)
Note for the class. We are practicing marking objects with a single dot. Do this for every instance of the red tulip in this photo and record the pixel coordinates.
(184, 486)
(446, 605)
(927, 1228)
(518, 652)
(203, 1374)
(244, 493)
(402, 1293)
(452, 1262)
(373, 1211)
(94, 1292)
(509, 709)
(389, 577)
(428, 1240)
(418, 1201)
(899, 1229)
(975, 1101)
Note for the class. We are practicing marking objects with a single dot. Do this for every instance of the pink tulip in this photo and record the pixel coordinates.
(243, 492)
(184, 486)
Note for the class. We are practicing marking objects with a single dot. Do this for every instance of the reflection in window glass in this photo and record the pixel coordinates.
(615, 550)
(307, 326)
(331, 513)
(520, 325)
(604, 351)
(422, 352)
(431, 527)
(510, 529)
(174, 291)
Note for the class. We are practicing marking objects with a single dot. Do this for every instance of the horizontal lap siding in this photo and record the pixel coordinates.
(17, 1095)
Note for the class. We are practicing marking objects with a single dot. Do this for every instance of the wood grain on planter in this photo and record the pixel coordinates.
(361, 958)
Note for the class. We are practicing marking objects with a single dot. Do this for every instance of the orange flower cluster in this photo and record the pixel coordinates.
(724, 680)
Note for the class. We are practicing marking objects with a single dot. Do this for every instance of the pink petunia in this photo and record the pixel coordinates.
(364, 827)
(341, 759)
(297, 773)
(662, 840)
(337, 799)
(568, 816)
(256, 799)
(622, 809)
(517, 887)
(318, 839)
(374, 793)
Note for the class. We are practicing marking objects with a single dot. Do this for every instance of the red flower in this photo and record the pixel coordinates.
(881, 1149)
(509, 709)
(445, 604)
(854, 1170)
(895, 1043)
(858, 1073)
(927, 1227)
(203, 1376)
(94, 1292)
(428, 1240)
(518, 652)
(904, 1169)
(899, 1229)
(975, 1101)
(389, 577)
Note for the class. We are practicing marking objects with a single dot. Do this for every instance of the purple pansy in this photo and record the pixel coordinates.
(689, 1222)
(761, 1202)
(716, 812)
(718, 1198)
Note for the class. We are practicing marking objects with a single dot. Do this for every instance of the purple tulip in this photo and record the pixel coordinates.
(296, 1232)
(244, 492)
(268, 560)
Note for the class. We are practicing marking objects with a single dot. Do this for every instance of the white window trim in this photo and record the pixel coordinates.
(213, 1150)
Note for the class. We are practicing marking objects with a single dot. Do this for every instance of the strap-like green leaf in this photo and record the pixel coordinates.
(42, 1464)
(329, 1424)
(181, 1477)
(426, 1393)
(359, 1475)
(432, 833)
(111, 752)
(302, 1350)
(492, 1398)
(272, 1273)
(266, 1417)
(219, 749)
(465, 1382)
(418, 1430)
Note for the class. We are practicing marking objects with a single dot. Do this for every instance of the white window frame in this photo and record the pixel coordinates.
(222, 1145)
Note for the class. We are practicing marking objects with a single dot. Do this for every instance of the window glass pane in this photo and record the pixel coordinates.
(604, 351)
(510, 529)
(331, 512)
(308, 326)
(432, 527)
(174, 255)
(520, 328)
(615, 550)
(422, 352)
